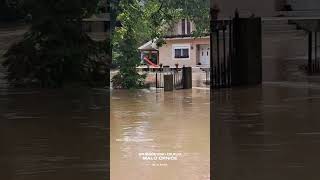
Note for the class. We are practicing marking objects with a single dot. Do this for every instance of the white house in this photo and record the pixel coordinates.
(180, 48)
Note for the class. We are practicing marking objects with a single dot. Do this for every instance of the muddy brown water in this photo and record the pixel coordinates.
(151, 121)
(49, 134)
(267, 132)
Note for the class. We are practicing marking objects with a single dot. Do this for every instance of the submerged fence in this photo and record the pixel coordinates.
(177, 78)
(207, 79)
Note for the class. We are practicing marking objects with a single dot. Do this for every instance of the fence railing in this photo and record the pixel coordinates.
(313, 61)
(207, 72)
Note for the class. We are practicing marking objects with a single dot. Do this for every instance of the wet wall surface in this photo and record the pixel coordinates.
(54, 134)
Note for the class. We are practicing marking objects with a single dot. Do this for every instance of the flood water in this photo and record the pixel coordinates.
(151, 121)
(50, 134)
(63, 133)
(267, 132)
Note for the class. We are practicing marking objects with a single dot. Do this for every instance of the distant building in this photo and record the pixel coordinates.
(180, 48)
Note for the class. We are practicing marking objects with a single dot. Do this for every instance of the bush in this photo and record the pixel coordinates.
(128, 80)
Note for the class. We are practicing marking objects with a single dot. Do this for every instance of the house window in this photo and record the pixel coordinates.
(185, 27)
(181, 52)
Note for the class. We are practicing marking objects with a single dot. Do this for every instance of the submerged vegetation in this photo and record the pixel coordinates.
(56, 50)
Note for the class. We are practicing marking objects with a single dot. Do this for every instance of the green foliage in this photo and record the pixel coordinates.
(128, 61)
(126, 41)
(56, 50)
(197, 11)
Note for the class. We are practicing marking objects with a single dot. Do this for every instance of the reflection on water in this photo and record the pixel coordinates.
(267, 132)
(53, 134)
(176, 122)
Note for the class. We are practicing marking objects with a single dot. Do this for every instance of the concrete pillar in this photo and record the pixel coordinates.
(187, 77)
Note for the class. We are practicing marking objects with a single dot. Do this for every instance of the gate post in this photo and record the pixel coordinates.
(212, 72)
(247, 61)
(168, 82)
(187, 77)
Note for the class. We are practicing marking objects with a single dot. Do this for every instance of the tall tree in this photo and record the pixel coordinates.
(134, 30)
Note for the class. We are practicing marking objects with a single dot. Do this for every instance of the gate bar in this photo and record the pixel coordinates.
(224, 75)
(315, 52)
(218, 59)
(310, 54)
(230, 52)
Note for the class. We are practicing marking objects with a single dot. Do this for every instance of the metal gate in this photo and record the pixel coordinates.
(313, 62)
(222, 38)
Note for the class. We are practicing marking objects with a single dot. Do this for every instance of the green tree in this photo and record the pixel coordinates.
(135, 29)
(56, 49)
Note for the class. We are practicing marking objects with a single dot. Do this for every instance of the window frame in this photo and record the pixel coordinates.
(181, 47)
(185, 27)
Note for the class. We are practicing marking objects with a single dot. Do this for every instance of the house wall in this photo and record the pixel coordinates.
(177, 28)
(166, 52)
